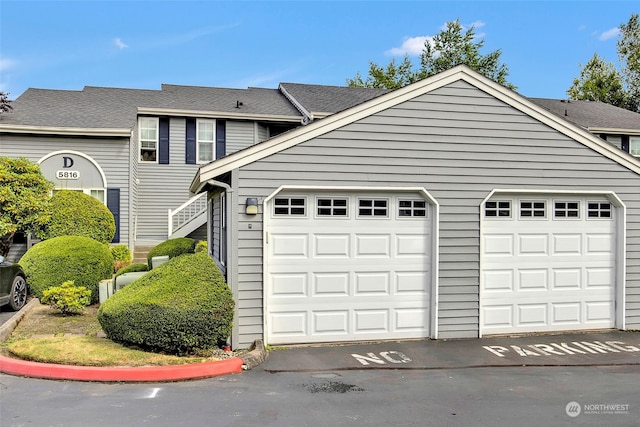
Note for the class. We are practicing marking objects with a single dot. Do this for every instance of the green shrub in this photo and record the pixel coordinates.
(180, 307)
(77, 214)
(79, 259)
(121, 256)
(131, 268)
(201, 246)
(67, 298)
(173, 248)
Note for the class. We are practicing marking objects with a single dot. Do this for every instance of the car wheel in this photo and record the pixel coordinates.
(18, 294)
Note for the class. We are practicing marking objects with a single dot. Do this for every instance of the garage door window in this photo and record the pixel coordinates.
(533, 209)
(598, 210)
(373, 208)
(412, 208)
(566, 209)
(293, 206)
(497, 208)
(332, 207)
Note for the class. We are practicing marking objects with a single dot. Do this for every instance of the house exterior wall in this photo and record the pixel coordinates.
(112, 155)
(458, 143)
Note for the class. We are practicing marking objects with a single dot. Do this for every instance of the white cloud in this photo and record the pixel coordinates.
(6, 64)
(119, 43)
(609, 34)
(413, 45)
(410, 46)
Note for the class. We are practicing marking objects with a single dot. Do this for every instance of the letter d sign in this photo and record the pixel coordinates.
(67, 162)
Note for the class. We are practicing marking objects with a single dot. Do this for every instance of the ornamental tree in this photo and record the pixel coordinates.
(24, 199)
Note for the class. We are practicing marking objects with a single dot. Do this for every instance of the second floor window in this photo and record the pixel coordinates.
(148, 131)
(634, 147)
(206, 140)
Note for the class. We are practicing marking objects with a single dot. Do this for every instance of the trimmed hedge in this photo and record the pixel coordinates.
(173, 248)
(132, 268)
(79, 259)
(77, 214)
(180, 307)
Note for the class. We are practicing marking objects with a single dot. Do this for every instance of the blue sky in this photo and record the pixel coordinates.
(142, 44)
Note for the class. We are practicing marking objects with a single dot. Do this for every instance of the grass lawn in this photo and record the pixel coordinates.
(45, 335)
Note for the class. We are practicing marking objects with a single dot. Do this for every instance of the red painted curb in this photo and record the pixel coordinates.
(120, 374)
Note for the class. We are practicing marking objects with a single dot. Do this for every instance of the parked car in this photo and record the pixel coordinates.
(13, 285)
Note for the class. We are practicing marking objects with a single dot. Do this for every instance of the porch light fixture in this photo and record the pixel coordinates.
(251, 206)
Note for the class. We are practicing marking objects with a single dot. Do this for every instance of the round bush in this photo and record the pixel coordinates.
(179, 307)
(173, 248)
(132, 268)
(79, 259)
(77, 214)
(121, 256)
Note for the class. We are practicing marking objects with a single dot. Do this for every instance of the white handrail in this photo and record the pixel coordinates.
(183, 214)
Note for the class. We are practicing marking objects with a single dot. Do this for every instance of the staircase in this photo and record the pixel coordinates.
(140, 253)
(187, 218)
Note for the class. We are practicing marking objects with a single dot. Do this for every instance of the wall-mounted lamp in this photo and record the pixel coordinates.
(251, 206)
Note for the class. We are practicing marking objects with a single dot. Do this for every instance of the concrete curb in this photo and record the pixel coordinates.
(256, 355)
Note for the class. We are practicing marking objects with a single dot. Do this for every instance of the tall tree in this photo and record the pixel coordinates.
(602, 81)
(24, 199)
(628, 47)
(5, 104)
(599, 81)
(450, 47)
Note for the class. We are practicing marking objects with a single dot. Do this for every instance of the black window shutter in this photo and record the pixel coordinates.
(191, 142)
(163, 149)
(113, 203)
(625, 143)
(221, 138)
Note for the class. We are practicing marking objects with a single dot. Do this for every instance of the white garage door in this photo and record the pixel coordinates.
(346, 267)
(548, 264)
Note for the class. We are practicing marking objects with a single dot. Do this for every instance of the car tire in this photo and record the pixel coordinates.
(18, 296)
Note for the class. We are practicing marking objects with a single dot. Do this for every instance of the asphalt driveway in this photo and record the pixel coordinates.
(576, 349)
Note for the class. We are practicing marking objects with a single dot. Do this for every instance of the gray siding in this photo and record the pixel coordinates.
(163, 187)
(459, 143)
(111, 154)
(240, 135)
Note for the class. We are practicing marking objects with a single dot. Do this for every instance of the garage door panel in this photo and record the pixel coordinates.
(548, 274)
(289, 285)
(533, 244)
(356, 278)
(331, 245)
(372, 283)
(289, 246)
(330, 284)
(369, 245)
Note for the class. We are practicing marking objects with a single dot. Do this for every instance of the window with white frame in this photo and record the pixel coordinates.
(634, 146)
(566, 209)
(533, 209)
(206, 143)
(148, 137)
(598, 210)
(332, 206)
(412, 208)
(497, 208)
(97, 193)
(293, 206)
(376, 208)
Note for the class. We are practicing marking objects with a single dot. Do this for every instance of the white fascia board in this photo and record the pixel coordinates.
(328, 124)
(218, 115)
(614, 131)
(572, 131)
(461, 72)
(71, 131)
